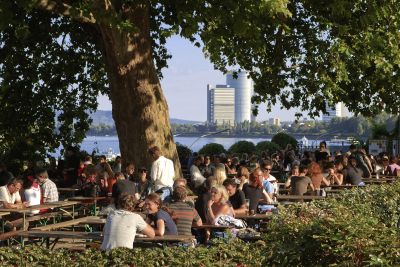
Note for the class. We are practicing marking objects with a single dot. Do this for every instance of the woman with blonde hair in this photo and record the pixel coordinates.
(219, 174)
(243, 176)
(218, 205)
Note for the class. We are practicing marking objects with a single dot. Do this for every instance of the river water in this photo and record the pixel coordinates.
(106, 144)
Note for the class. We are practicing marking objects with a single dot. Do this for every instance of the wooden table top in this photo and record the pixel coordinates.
(86, 198)
(4, 213)
(49, 205)
(211, 226)
(68, 189)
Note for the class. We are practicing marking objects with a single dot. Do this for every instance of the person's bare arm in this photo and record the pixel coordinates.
(199, 222)
(267, 197)
(242, 210)
(148, 231)
(325, 181)
(160, 228)
(19, 205)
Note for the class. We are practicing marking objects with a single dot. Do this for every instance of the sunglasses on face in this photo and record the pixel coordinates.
(142, 171)
(267, 169)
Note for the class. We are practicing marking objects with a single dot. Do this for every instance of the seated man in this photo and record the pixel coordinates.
(49, 188)
(236, 196)
(184, 214)
(9, 195)
(196, 177)
(300, 184)
(122, 224)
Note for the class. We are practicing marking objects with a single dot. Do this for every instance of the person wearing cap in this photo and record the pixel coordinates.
(237, 198)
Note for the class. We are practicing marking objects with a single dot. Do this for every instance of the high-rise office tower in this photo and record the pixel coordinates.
(221, 104)
(333, 112)
(243, 92)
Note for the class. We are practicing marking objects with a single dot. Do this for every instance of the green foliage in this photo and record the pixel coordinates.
(242, 147)
(283, 139)
(355, 229)
(267, 146)
(184, 152)
(212, 149)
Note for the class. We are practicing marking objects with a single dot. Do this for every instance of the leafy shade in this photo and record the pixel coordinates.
(184, 152)
(242, 147)
(51, 74)
(282, 140)
(212, 149)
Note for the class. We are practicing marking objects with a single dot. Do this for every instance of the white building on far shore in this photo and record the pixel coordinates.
(221, 104)
(337, 111)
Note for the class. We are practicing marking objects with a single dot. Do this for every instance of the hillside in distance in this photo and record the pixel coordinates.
(105, 117)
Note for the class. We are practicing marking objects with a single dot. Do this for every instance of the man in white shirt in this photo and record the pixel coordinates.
(195, 174)
(122, 225)
(162, 173)
(9, 195)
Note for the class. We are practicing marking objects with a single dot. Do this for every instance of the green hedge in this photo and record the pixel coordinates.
(357, 229)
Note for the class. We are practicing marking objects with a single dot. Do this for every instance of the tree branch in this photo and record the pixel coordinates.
(63, 9)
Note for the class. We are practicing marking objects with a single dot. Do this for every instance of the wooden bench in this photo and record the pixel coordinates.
(65, 224)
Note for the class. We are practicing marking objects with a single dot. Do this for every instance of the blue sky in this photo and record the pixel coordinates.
(185, 83)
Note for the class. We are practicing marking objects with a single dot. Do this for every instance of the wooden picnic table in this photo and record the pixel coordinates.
(211, 227)
(50, 205)
(98, 236)
(3, 213)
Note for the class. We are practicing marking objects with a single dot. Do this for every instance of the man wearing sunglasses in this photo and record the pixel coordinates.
(269, 182)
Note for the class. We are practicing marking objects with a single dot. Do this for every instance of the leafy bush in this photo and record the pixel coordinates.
(211, 149)
(242, 147)
(282, 140)
(267, 146)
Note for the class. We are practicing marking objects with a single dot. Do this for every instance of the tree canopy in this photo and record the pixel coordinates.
(55, 57)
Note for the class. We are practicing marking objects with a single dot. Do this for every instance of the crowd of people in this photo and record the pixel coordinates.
(224, 186)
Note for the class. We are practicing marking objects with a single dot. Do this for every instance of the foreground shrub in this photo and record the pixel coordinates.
(282, 140)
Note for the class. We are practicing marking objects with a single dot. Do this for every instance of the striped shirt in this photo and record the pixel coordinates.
(184, 215)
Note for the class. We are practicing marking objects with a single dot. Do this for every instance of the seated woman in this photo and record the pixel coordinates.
(334, 177)
(161, 220)
(254, 190)
(316, 176)
(122, 224)
(295, 172)
(243, 176)
(218, 205)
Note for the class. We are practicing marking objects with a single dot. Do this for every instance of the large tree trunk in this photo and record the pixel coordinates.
(139, 108)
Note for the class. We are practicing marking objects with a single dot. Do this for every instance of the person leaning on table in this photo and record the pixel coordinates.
(10, 197)
(122, 224)
(49, 188)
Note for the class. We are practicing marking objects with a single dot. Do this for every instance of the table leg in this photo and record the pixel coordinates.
(24, 222)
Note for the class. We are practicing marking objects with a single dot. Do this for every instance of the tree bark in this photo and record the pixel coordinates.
(139, 108)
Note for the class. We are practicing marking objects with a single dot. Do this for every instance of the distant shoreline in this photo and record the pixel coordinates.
(249, 136)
